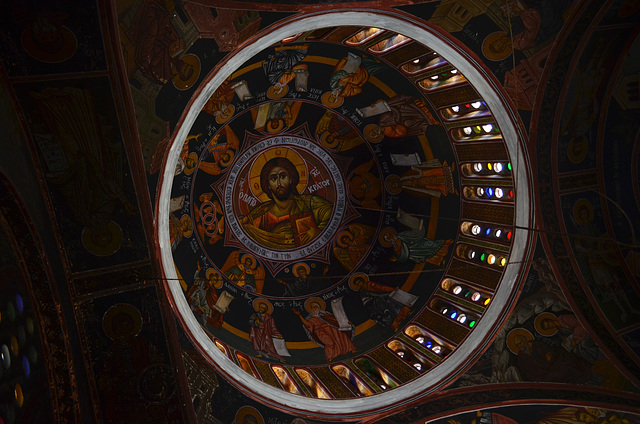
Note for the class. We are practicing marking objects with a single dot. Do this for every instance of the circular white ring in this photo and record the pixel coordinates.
(521, 246)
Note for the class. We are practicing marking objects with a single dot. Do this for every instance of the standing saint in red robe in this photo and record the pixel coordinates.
(323, 329)
(263, 330)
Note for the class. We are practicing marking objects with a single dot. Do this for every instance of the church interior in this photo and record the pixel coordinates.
(295, 211)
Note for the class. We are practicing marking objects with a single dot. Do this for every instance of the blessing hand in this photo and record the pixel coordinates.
(309, 234)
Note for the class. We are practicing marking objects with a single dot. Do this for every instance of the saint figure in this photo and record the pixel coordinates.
(323, 328)
(263, 330)
(384, 308)
(414, 245)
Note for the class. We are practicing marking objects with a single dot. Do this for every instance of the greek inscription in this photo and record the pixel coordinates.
(317, 186)
(250, 200)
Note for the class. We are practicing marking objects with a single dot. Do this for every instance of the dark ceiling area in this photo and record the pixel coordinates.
(318, 212)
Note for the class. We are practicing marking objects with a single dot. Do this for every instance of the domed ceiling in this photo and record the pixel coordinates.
(337, 215)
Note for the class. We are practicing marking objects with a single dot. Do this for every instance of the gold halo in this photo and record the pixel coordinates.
(356, 276)
(388, 230)
(580, 204)
(345, 233)
(271, 92)
(279, 151)
(121, 308)
(607, 250)
(253, 260)
(188, 170)
(510, 338)
(367, 130)
(538, 324)
(183, 219)
(294, 268)
(308, 302)
(194, 61)
(274, 130)
(107, 249)
(257, 301)
(65, 52)
(580, 144)
(227, 162)
(218, 283)
(248, 410)
(221, 118)
(388, 184)
(326, 143)
(326, 100)
(492, 55)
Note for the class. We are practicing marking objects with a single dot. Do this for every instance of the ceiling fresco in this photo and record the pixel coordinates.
(301, 195)
(314, 211)
(211, 215)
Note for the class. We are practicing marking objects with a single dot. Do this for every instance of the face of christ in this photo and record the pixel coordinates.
(279, 178)
(280, 183)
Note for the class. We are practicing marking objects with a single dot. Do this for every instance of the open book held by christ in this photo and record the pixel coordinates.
(300, 224)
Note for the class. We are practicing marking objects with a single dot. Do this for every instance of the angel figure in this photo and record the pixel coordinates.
(336, 133)
(364, 186)
(219, 152)
(352, 244)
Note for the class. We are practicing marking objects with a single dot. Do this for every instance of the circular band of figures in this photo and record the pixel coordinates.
(312, 219)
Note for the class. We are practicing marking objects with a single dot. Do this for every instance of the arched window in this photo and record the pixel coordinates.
(467, 110)
(310, 381)
(408, 355)
(423, 63)
(465, 292)
(380, 377)
(428, 341)
(352, 380)
(363, 36)
(455, 312)
(494, 259)
(245, 364)
(389, 43)
(285, 379)
(442, 78)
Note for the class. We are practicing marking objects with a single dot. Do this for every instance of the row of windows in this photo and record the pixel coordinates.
(500, 194)
(465, 292)
(465, 111)
(428, 340)
(423, 63)
(382, 379)
(495, 259)
(487, 169)
(409, 356)
(18, 357)
(486, 231)
(455, 313)
(442, 78)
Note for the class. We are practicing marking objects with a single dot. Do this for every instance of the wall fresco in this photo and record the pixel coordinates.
(44, 38)
(129, 359)
(544, 341)
(543, 414)
(80, 148)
